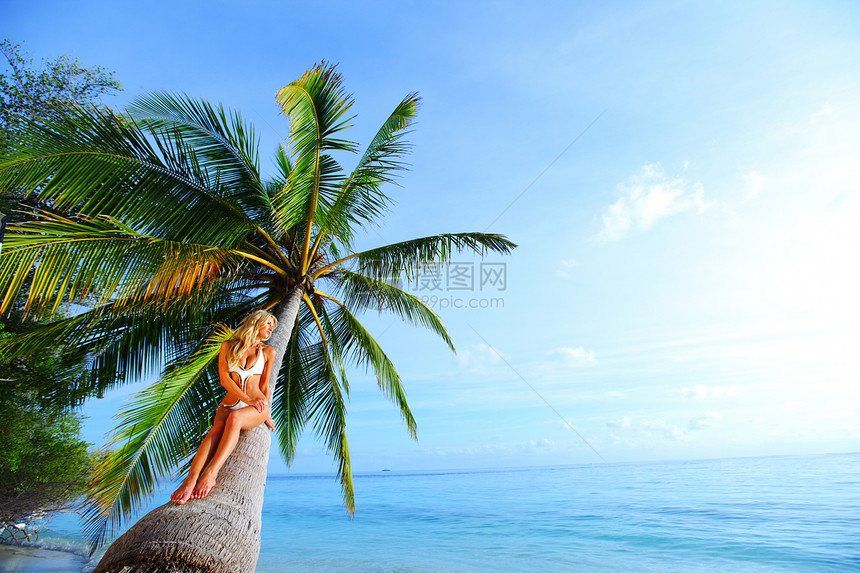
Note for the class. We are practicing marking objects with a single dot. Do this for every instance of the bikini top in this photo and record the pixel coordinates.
(255, 368)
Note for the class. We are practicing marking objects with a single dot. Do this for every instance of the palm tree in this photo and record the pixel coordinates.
(157, 229)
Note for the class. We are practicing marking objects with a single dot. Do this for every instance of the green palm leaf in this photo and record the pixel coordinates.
(159, 429)
(327, 408)
(93, 162)
(299, 378)
(316, 105)
(410, 257)
(313, 387)
(225, 144)
(360, 199)
(94, 260)
(357, 346)
(367, 293)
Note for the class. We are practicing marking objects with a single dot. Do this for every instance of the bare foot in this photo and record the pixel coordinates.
(184, 492)
(205, 483)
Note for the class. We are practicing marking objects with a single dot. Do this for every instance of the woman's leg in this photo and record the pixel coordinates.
(238, 420)
(201, 458)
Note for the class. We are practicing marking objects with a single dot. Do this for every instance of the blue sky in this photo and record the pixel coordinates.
(681, 179)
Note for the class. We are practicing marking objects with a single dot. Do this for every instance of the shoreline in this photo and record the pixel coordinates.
(36, 559)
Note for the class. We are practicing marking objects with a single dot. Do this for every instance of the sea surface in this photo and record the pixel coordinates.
(787, 513)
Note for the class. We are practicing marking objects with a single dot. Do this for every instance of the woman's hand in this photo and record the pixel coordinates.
(271, 423)
(260, 405)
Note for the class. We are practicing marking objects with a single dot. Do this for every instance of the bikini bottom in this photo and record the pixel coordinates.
(237, 406)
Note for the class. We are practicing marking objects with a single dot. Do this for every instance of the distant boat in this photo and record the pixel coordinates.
(386, 470)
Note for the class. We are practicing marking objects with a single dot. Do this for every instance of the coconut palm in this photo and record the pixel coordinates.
(159, 232)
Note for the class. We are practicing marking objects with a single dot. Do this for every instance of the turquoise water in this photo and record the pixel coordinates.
(759, 514)
(745, 514)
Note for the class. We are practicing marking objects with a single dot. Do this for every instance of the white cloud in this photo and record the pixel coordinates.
(700, 391)
(705, 421)
(622, 424)
(567, 266)
(477, 359)
(647, 197)
(827, 109)
(669, 431)
(532, 446)
(573, 356)
(528, 447)
(646, 428)
(754, 180)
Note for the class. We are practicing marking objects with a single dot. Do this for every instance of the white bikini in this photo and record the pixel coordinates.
(244, 374)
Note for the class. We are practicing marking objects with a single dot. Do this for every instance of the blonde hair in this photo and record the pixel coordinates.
(246, 335)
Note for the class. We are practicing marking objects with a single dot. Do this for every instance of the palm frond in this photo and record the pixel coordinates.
(357, 346)
(299, 374)
(312, 388)
(160, 428)
(360, 198)
(92, 162)
(226, 145)
(90, 261)
(316, 105)
(367, 293)
(114, 349)
(327, 411)
(307, 195)
(410, 257)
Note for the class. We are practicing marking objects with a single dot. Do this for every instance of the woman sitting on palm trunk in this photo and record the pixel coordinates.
(243, 368)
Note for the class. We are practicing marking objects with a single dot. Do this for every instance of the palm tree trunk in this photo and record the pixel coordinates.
(221, 532)
(286, 316)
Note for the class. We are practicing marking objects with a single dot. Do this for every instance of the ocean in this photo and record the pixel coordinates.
(786, 513)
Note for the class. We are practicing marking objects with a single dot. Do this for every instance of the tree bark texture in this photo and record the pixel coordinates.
(221, 532)
(217, 534)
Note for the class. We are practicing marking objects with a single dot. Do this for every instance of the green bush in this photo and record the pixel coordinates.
(43, 462)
